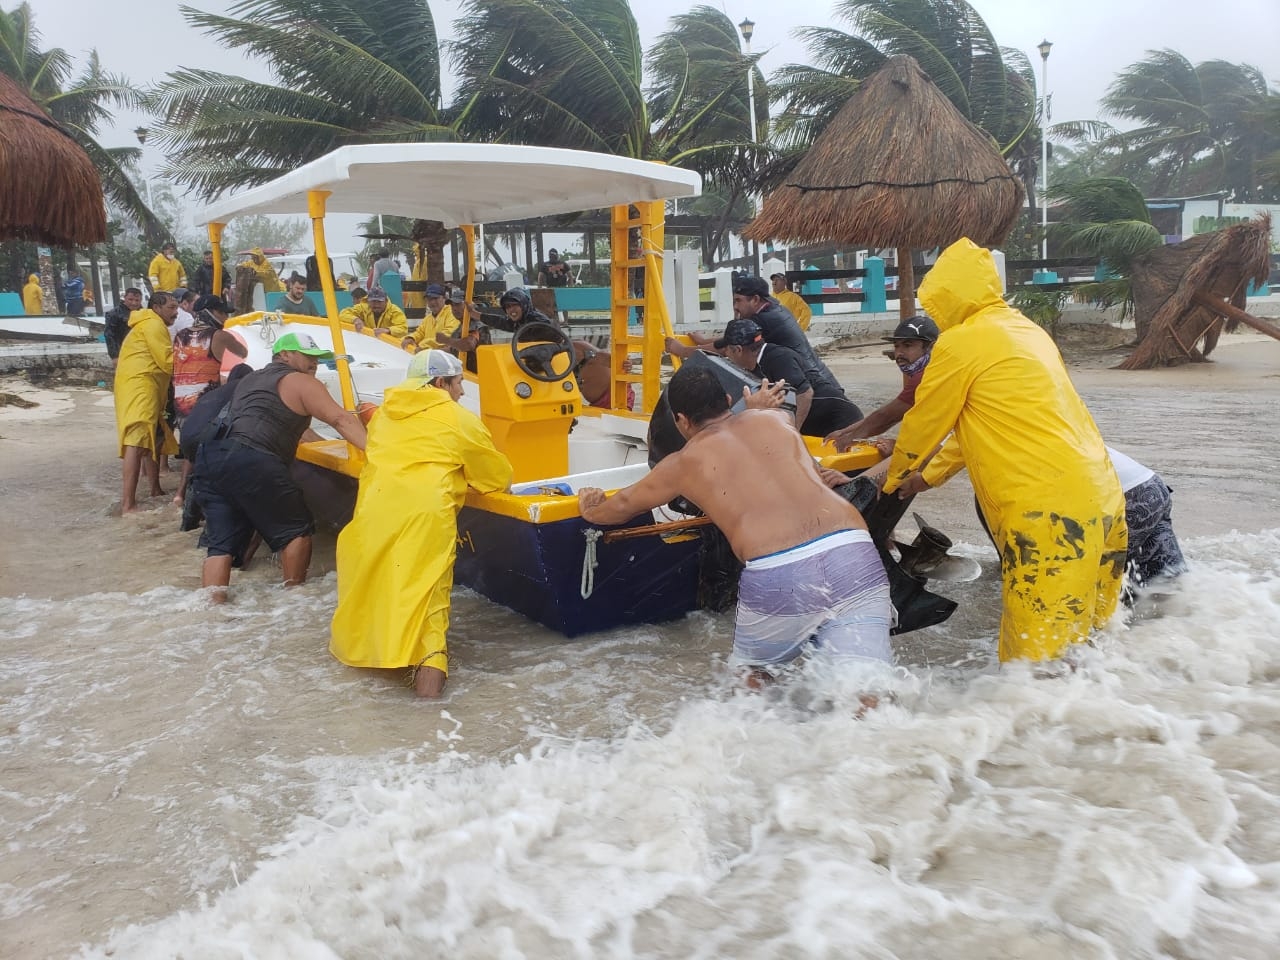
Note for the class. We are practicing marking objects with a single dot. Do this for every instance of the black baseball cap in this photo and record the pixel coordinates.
(752, 287)
(918, 327)
(740, 333)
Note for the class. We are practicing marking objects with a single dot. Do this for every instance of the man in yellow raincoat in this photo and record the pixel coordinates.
(267, 275)
(792, 301)
(33, 296)
(1039, 467)
(378, 315)
(141, 387)
(395, 557)
(166, 271)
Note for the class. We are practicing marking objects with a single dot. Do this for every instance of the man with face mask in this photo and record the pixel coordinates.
(166, 271)
(913, 342)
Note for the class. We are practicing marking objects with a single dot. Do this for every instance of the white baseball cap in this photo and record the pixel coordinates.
(429, 364)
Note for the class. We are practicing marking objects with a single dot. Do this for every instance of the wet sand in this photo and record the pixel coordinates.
(153, 750)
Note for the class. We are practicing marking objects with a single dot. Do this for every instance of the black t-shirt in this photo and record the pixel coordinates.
(202, 414)
(779, 327)
(556, 272)
(778, 363)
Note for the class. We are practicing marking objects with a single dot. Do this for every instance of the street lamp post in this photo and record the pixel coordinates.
(748, 28)
(142, 133)
(1044, 47)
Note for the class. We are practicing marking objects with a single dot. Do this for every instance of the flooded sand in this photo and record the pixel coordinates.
(176, 780)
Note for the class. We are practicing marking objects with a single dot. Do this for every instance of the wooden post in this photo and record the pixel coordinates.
(1229, 310)
(906, 285)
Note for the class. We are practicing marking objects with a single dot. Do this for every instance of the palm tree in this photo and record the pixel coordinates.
(993, 86)
(80, 104)
(573, 73)
(1107, 218)
(343, 73)
(1200, 127)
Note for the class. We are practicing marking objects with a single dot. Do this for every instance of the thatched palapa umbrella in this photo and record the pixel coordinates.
(898, 166)
(1182, 292)
(49, 190)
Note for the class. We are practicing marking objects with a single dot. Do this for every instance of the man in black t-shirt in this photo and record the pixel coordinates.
(751, 301)
(819, 404)
(554, 272)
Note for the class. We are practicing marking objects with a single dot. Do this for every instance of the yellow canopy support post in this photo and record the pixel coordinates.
(215, 244)
(469, 231)
(636, 240)
(315, 209)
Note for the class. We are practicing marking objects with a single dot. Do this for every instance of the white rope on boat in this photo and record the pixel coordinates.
(589, 562)
(271, 323)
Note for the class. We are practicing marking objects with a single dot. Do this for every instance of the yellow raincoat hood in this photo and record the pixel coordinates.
(997, 385)
(962, 282)
(33, 296)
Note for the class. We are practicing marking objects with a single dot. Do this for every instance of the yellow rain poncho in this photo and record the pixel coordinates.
(267, 275)
(395, 557)
(392, 318)
(796, 306)
(445, 322)
(413, 299)
(166, 274)
(1041, 472)
(32, 296)
(142, 384)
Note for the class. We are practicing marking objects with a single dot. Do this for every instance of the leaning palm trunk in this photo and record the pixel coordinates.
(1174, 326)
(431, 236)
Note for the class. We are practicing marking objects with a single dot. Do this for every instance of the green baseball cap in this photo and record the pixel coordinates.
(300, 343)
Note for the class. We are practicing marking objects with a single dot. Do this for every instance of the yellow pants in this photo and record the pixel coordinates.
(1062, 579)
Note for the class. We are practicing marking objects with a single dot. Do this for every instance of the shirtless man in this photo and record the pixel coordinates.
(812, 573)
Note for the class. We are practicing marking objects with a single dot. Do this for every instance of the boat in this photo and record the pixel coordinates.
(528, 549)
(50, 329)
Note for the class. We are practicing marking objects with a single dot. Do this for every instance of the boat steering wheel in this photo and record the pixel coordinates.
(535, 358)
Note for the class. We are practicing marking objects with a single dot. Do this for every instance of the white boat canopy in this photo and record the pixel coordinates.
(461, 183)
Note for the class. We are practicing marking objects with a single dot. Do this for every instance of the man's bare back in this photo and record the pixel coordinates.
(752, 476)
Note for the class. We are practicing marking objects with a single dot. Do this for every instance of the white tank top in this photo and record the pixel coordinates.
(1129, 470)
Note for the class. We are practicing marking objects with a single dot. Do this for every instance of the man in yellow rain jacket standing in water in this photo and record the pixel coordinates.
(141, 386)
(1038, 464)
(395, 557)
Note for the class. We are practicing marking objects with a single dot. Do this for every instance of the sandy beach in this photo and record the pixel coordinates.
(214, 777)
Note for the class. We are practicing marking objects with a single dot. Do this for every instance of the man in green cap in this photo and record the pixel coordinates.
(242, 478)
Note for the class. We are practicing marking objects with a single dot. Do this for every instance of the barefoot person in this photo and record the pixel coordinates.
(395, 557)
(141, 387)
(242, 478)
(812, 574)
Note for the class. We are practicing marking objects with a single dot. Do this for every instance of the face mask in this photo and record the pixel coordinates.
(168, 256)
(915, 366)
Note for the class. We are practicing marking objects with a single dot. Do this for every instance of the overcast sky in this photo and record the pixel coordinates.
(1092, 39)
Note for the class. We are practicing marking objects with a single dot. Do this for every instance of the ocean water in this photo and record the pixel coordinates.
(189, 782)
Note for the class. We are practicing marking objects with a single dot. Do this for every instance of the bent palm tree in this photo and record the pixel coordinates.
(993, 86)
(1107, 218)
(1200, 126)
(343, 73)
(573, 73)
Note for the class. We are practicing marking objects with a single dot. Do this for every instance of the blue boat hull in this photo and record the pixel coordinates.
(536, 569)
